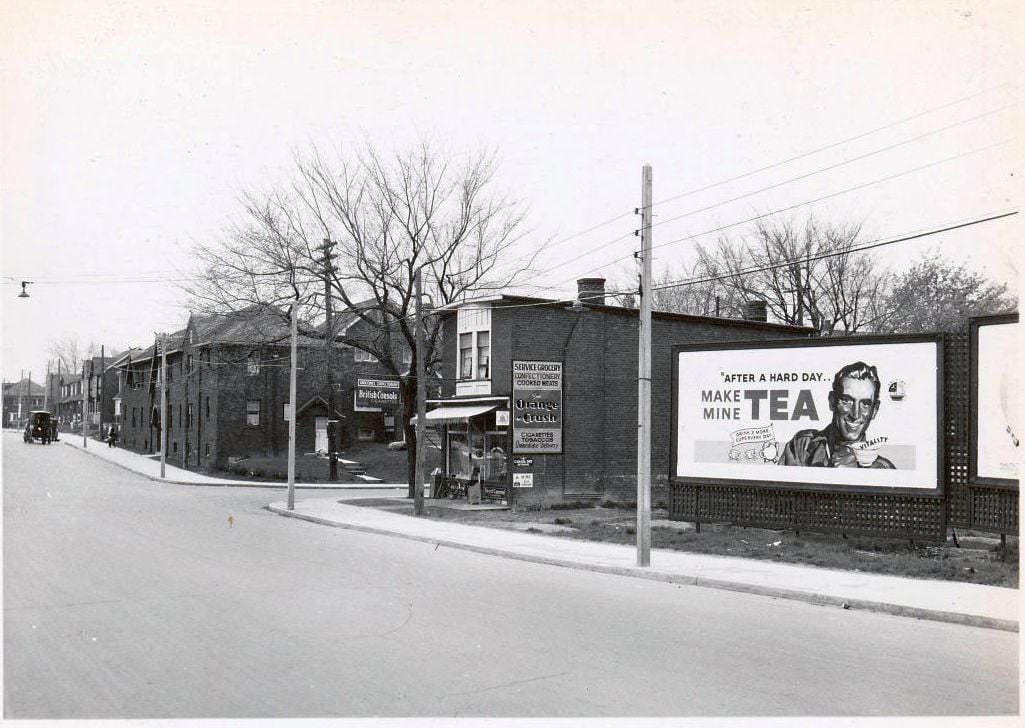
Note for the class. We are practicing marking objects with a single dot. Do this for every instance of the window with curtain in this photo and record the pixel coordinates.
(483, 355)
(466, 356)
(253, 412)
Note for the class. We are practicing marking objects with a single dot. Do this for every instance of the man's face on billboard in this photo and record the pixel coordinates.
(854, 407)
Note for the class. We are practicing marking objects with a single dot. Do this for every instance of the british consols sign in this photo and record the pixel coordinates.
(826, 414)
(376, 392)
(537, 407)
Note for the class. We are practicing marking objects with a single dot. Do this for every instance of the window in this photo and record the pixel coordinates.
(188, 416)
(208, 408)
(483, 354)
(133, 416)
(407, 357)
(253, 365)
(363, 356)
(206, 449)
(188, 363)
(466, 356)
(179, 413)
(253, 412)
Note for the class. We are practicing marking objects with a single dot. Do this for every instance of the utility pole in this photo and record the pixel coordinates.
(60, 391)
(46, 390)
(421, 403)
(85, 407)
(99, 387)
(163, 404)
(644, 381)
(292, 408)
(329, 347)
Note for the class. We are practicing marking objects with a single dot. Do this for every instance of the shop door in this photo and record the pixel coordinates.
(320, 423)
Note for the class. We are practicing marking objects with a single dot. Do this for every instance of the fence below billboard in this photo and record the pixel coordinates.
(829, 413)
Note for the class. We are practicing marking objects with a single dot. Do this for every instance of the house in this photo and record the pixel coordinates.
(574, 407)
(228, 391)
(20, 398)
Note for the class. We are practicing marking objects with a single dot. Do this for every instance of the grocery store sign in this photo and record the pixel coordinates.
(537, 407)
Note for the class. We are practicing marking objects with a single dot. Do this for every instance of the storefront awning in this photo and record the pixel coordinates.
(456, 413)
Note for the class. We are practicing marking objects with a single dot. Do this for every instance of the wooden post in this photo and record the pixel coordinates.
(644, 381)
(292, 408)
(421, 403)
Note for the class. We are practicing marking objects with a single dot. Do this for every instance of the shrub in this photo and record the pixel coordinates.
(562, 521)
(571, 505)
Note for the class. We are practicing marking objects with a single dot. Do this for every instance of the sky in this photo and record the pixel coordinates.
(130, 129)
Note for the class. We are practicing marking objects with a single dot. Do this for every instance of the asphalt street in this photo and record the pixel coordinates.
(125, 598)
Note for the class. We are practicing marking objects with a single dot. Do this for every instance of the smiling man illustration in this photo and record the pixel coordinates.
(854, 402)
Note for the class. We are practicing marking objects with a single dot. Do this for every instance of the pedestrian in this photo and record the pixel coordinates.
(112, 436)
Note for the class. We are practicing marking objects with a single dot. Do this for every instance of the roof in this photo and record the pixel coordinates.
(346, 317)
(21, 388)
(511, 300)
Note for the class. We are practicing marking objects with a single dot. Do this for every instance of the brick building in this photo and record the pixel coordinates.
(597, 347)
(20, 398)
(228, 384)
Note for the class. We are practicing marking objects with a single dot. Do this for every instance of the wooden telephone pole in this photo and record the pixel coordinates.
(644, 381)
(329, 348)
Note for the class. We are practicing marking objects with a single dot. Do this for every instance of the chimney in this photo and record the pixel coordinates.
(755, 310)
(591, 291)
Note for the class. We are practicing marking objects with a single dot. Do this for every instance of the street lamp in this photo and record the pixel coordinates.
(24, 293)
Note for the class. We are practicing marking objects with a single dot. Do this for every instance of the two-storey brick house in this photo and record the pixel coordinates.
(596, 345)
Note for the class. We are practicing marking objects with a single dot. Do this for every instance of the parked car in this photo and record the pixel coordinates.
(38, 427)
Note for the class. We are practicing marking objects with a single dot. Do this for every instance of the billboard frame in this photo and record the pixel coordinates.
(935, 491)
(512, 408)
(973, 400)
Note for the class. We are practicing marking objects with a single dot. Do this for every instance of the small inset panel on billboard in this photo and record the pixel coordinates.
(537, 407)
(830, 413)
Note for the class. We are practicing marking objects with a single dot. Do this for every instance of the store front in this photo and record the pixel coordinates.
(475, 441)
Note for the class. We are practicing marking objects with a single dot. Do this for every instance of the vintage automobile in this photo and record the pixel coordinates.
(39, 427)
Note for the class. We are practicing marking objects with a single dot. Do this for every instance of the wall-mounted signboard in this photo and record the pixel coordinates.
(857, 413)
(995, 453)
(537, 407)
(374, 393)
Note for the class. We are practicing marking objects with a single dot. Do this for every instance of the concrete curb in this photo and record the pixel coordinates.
(255, 484)
(899, 610)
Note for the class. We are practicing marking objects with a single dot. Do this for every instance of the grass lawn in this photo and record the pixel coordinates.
(978, 559)
(379, 461)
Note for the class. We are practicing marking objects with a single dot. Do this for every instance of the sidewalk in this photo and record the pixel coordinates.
(945, 601)
(150, 468)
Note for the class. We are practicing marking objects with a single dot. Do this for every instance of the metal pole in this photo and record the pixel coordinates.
(292, 408)
(163, 404)
(644, 382)
(421, 403)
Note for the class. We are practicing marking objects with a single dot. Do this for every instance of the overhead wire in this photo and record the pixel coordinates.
(804, 203)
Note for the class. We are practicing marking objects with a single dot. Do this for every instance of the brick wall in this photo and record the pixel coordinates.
(599, 349)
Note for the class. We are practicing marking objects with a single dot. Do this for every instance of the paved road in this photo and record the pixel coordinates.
(129, 599)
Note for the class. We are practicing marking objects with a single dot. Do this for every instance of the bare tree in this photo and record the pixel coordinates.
(71, 353)
(807, 275)
(391, 216)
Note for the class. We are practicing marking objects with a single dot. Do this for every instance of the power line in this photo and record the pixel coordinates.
(801, 204)
(878, 243)
(774, 165)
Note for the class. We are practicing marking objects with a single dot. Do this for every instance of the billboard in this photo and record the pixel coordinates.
(374, 392)
(996, 427)
(537, 407)
(848, 413)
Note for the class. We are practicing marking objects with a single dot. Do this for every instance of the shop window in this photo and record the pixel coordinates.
(458, 454)
(496, 445)
(253, 412)
(253, 365)
(466, 356)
